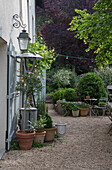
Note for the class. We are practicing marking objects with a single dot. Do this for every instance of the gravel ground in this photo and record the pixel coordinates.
(86, 146)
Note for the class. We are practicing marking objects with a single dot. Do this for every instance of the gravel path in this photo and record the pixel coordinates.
(87, 146)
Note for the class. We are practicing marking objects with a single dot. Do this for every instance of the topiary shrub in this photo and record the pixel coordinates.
(70, 94)
(91, 84)
(49, 121)
(58, 95)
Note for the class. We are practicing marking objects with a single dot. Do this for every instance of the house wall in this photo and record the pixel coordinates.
(9, 34)
(3, 92)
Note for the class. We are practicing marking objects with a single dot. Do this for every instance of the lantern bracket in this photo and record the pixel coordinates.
(18, 22)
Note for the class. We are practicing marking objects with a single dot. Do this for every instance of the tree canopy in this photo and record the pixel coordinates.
(96, 30)
(53, 22)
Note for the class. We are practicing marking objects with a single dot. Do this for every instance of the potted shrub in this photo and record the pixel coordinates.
(25, 139)
(83, 109)
(70, 94)
(91, 84)
(50, 130)
(38, 127)
(30, 84)
(75, 111)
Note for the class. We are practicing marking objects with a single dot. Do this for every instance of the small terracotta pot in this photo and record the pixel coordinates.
(25, 139)
(83, 111)
(39, 137)
(87, 97)
(50, 134)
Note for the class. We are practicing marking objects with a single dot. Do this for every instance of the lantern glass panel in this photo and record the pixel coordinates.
(23, 44)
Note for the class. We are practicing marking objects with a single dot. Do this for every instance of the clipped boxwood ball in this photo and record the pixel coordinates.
(91, 84)
(70, 94)
(58, 95)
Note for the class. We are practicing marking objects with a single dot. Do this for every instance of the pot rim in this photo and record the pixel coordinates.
(60, 124)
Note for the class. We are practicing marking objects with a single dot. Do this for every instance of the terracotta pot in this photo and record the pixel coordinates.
(87, 97)
(50, 134)
(75, 113)
(39, 137)
(25, 139)
(83, 111)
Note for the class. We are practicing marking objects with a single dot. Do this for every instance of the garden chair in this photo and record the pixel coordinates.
(102, 105)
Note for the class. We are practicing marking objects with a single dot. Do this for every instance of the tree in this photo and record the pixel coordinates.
(39, 47)
(96, 30)
(55, 18)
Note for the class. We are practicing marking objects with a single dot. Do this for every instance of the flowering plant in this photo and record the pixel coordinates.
(29, 83)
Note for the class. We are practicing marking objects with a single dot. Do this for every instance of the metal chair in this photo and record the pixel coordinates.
(102, 107)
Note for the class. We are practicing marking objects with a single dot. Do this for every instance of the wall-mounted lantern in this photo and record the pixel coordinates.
(23, 40)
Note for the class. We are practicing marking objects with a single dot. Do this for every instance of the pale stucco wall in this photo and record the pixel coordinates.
(7, 32)
(3, 92)
(32, 20)
(7, 10)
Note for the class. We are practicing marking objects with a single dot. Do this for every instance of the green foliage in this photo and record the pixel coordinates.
(95, 30)
(70, 94)
(74, 79)
(49, 121)
(39, 47)
(83, 106)
(58, 95)
(73, 106)
(38, 125)
(56, 77)
(68, 107)
(14, 145)
(61, 78)
(106, 75)
(92, 84)
(29, 83)
(42, 108)
(101, 103)
(37, 145)
(64, 78)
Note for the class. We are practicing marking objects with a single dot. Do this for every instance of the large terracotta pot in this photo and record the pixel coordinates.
(39, 137)
(50, 134)
(25, 139)
(83, 111)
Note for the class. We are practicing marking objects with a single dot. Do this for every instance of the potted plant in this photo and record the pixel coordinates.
(49, 128)
(38, 127)
(30, 84)
(25, 139)
(83, 109)
(102, 103)
(75, 111)
(87, 95)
